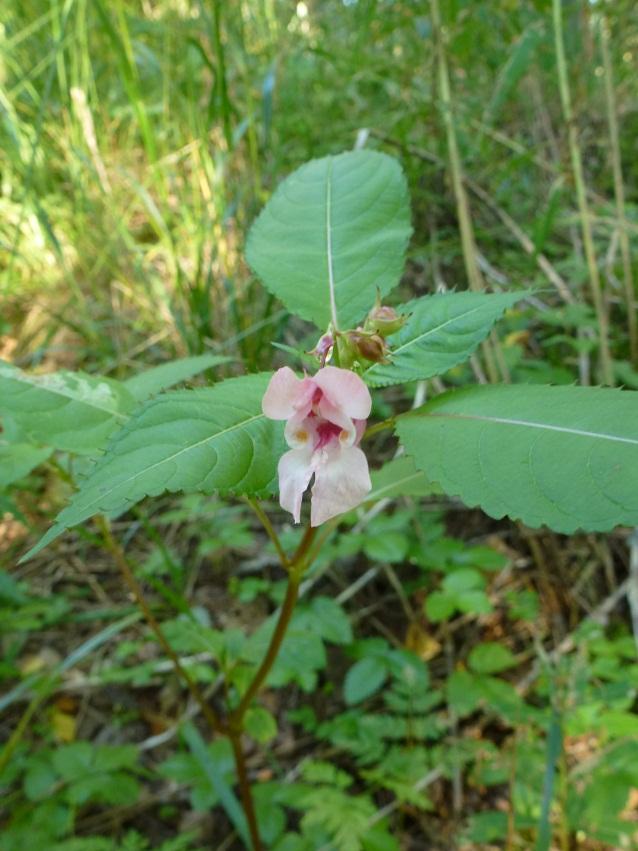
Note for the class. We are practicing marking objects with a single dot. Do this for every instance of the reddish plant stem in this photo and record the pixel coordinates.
(245, 790)
(295, 567)
(295, 572)
(233, 726)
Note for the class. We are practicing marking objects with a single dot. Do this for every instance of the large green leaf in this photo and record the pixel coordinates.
(332, 233)
(18, 459)
(213, 439)
(566, 457)
(158, 378)
(442, 331)
(67, 410)
(399, 477)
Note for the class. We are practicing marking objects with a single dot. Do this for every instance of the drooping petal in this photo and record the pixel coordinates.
(341, 483)
(295, 470)
(286, 395)
(345, 390)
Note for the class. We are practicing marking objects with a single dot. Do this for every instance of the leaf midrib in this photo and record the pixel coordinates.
(103, 495)
(23, 378)
(414, 340)
(437, 328)
(378, 494)
(613, 438)
(329, 255)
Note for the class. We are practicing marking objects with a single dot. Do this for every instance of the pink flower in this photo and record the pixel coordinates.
(326, 416)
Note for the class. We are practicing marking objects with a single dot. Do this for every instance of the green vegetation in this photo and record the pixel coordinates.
(447, 679)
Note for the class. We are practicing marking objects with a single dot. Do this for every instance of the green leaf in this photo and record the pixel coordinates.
(490, 657)
(473, 602)
(213, 439)
(153, 381)
(439, 606)
(442, 331)
(214, 769)
(566, 457)
(400, 477)
(333, 233)
(364, 678)
(464, 579)
(327, 618)
(388, 546)
(260, 724)
(18, 459)
(464, 692)
(67, 410)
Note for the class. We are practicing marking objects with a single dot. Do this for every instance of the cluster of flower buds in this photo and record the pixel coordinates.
(366, 343)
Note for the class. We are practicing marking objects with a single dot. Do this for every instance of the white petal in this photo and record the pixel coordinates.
(341, 483)
(281, 394)
(287, 395)
(345, 390)
(295, 471)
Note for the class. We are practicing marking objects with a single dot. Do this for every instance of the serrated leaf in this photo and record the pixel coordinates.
(333, 233)
(67, 410)
(18, 459)
(213, 439)
(158, 378)
(442, 331)
(566, 457)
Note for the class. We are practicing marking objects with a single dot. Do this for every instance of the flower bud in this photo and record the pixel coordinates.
(384, 320)
(369, 346)
(323, 349)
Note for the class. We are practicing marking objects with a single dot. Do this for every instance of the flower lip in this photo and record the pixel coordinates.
(326, 433)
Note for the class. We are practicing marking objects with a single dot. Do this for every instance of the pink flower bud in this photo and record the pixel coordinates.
(323, 349)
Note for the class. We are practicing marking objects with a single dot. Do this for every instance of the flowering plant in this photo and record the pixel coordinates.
(330, 244)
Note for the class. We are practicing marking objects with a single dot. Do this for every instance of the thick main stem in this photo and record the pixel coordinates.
(295, 567)
(295, 572)
(285, 615)
(245, 789)
(231, 727)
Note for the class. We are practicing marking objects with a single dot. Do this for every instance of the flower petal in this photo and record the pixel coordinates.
(301, 431)
(341, 482)
(295, 470)
(337, 416)
(287, 395)
(345, 390)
